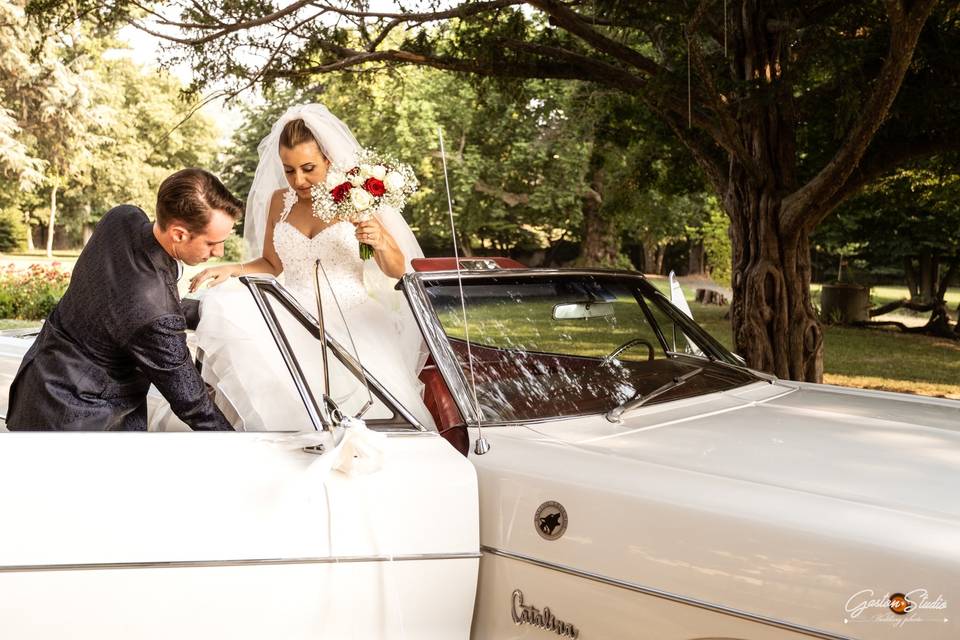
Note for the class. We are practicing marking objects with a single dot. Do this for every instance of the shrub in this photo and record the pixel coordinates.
(13, 233)
(233, 248)
(31, 294)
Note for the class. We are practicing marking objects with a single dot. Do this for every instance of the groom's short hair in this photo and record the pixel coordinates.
(189, 195)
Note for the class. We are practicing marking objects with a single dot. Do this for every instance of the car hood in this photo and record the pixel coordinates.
(883, 449)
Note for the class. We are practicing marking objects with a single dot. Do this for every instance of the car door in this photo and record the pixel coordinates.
(234, 534)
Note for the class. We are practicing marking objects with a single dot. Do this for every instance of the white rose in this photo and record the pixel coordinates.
(334, 178)
(360, 199)
(378, 171)
(393, 181)
(356, 180)
(366, 170)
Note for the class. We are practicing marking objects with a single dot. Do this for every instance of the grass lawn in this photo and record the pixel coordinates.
(8, 323)
(884, 359)
(870, 358)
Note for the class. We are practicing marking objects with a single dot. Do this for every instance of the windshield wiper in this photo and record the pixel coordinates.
(614, 415)
(768, 377)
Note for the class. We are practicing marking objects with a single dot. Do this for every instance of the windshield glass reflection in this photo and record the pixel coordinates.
(574, 344)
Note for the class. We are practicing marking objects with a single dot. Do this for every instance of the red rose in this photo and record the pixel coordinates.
(339, 192)
(374, 187)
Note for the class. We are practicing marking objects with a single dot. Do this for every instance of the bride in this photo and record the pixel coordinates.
(284, 236)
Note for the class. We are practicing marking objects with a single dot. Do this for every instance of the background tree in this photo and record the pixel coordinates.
(906, 224)
(787, 108)
(82, 131)
(45, 105)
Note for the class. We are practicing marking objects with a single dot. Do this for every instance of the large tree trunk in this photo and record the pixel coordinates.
(775, 327)
(772, 214)
(910, 275)
(53, 219)
(774, 323)
(929, 277)
(601, 234)
(650, 262)
(697, 261)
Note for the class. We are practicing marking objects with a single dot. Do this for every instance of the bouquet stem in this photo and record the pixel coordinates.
(366, 251)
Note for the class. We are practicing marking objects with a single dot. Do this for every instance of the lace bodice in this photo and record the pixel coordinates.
(335, 246)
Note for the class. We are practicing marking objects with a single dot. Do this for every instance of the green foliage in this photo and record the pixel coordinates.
(233, 248)
(95, 127)
(715, 235)
(31, 294)
(914, 210)
(13, 233)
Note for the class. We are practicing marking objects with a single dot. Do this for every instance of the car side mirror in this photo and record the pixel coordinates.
(585, 309)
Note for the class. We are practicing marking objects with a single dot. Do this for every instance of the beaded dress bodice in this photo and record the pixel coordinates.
(335, 246)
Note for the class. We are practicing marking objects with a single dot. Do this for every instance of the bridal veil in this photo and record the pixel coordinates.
(340, 147)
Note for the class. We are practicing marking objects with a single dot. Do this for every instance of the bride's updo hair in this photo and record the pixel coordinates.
(297, 132)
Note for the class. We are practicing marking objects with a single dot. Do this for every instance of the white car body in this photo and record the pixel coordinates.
(763, 510)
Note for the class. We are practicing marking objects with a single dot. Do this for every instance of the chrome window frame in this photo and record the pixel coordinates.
(414, 288)
(260, 287)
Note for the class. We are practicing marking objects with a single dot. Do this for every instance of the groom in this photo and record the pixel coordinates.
(120, 325)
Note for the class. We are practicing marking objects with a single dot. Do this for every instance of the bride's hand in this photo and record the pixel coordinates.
(371, 232)
(217, 275)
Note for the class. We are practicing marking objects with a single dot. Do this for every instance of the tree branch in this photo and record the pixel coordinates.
(575, 24)
(352, 58)
(462, 11)
(592, 67)
(878, 162)
(727, 126)
(702, 155)
(802, 205)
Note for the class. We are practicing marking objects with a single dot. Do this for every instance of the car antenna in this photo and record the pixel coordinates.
(481, 446)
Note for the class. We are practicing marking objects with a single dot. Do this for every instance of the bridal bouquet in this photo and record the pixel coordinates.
(354, 193)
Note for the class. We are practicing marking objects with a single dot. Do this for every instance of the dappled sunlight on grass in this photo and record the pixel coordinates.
(870, 358)
(885, 359)
(892, 384)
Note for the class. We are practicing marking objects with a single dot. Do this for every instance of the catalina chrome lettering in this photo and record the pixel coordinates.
(528, 614)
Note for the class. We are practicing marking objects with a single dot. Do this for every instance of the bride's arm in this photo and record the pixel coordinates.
(269, 262)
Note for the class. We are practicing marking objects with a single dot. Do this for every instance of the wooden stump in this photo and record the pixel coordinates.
(709, 296)
(846, 303)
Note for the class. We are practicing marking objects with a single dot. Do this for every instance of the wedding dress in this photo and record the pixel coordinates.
(242, 362)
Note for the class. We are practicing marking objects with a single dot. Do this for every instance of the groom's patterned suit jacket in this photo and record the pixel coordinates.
(118, 328)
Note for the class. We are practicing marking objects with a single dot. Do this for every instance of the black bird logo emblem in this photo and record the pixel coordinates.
(550, 520)
(549, 523)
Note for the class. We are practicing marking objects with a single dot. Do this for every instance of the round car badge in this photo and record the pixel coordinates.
(550, 520)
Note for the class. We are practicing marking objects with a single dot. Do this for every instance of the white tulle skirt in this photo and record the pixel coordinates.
(254, 387)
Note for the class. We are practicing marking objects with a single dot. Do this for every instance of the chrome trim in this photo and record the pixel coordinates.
(345, 358)
(666, 595)
(437, 341)
(190, 564)
(529, 272)
(319, 421)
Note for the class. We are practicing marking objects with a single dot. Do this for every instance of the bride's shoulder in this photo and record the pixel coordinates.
(276, 203)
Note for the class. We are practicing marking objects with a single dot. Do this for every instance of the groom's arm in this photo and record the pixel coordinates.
(160, 348)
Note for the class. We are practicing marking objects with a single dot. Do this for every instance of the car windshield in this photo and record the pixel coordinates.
(573, 344)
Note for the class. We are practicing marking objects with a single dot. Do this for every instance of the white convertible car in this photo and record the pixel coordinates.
(614, 473)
